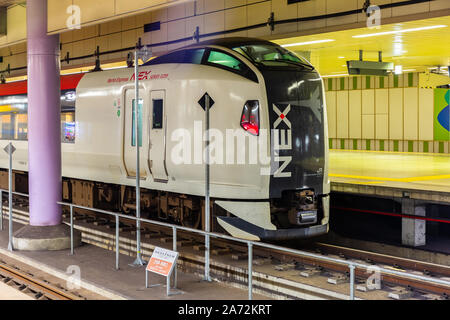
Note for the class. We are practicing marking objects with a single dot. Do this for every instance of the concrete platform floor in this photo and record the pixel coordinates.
(9, 293)
(97, 268)
(404, 170)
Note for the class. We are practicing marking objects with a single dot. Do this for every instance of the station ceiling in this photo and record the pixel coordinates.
(415, 50)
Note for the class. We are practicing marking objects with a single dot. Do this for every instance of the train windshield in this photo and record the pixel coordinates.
(268, 55)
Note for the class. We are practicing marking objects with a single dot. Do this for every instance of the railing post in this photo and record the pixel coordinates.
(250, 271)
(71, 229)
(117, 243)
(146, 278)
(207, 211)
(352, 281)
(10, 236)
(174, 247)
(138, 261)
(168, 284)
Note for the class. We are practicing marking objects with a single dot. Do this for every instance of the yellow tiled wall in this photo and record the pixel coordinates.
(118, 24)
(371, 113)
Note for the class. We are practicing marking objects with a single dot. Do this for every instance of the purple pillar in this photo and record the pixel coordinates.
(44, 118)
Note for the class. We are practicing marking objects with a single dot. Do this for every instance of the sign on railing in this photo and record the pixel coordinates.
(162, 261)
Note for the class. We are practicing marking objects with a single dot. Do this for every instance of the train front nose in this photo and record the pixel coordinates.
(298, 207)
(296, 107)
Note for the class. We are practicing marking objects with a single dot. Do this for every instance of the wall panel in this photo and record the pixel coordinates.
(342, 114)
(410, 113)
(368, 101)
(354, 110)
(331, 113)
(396, 113)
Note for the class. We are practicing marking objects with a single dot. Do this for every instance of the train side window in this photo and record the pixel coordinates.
(193, 56)
(68, 116)
(157, 114)
(7, 128)
(21, 126)
(14, 117)
(68, 127)
(133, 128)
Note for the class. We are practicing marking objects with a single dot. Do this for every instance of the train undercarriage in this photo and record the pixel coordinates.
(294, 209)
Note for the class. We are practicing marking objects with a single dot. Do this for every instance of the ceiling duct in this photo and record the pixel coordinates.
(372, 68)
(2, 21)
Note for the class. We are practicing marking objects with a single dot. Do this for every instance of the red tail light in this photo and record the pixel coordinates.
(250, 117)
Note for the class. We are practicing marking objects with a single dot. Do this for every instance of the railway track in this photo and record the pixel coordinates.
(28, 284)
(276, 274)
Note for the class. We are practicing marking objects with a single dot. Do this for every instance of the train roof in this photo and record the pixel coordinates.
(20, 87)
(231, 42)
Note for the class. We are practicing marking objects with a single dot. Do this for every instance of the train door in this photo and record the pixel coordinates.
(129, 139)
(157, 129)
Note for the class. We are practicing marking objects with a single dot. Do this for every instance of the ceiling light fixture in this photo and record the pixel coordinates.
(398, 69)
(335, 75)
(398, 31)
(305, 43)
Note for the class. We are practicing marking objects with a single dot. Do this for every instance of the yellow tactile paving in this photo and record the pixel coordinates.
(403, 170)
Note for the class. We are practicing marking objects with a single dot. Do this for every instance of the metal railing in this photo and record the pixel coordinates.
(10, 218)
(250, 244)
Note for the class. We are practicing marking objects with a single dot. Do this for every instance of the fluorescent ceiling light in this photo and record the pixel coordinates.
(305, 43)
(398, 31)
(335, 75)
(398, 70)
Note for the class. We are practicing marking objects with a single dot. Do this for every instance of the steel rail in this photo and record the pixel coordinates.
(349, 264)
(36, 285)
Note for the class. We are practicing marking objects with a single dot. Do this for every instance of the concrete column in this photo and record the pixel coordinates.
(413, 230)
(44, 118)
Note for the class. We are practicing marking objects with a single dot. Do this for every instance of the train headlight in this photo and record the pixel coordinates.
(250, 117)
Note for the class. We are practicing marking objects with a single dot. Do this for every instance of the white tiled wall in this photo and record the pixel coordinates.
(381, 115)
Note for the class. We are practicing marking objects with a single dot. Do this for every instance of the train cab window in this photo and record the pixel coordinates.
(133, 128)
(271, 55)
(225, 60)
(157, 114)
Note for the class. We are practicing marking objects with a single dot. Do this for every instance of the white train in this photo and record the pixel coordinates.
(269, 150)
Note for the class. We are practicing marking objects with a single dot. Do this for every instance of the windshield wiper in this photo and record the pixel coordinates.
(297, 63)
